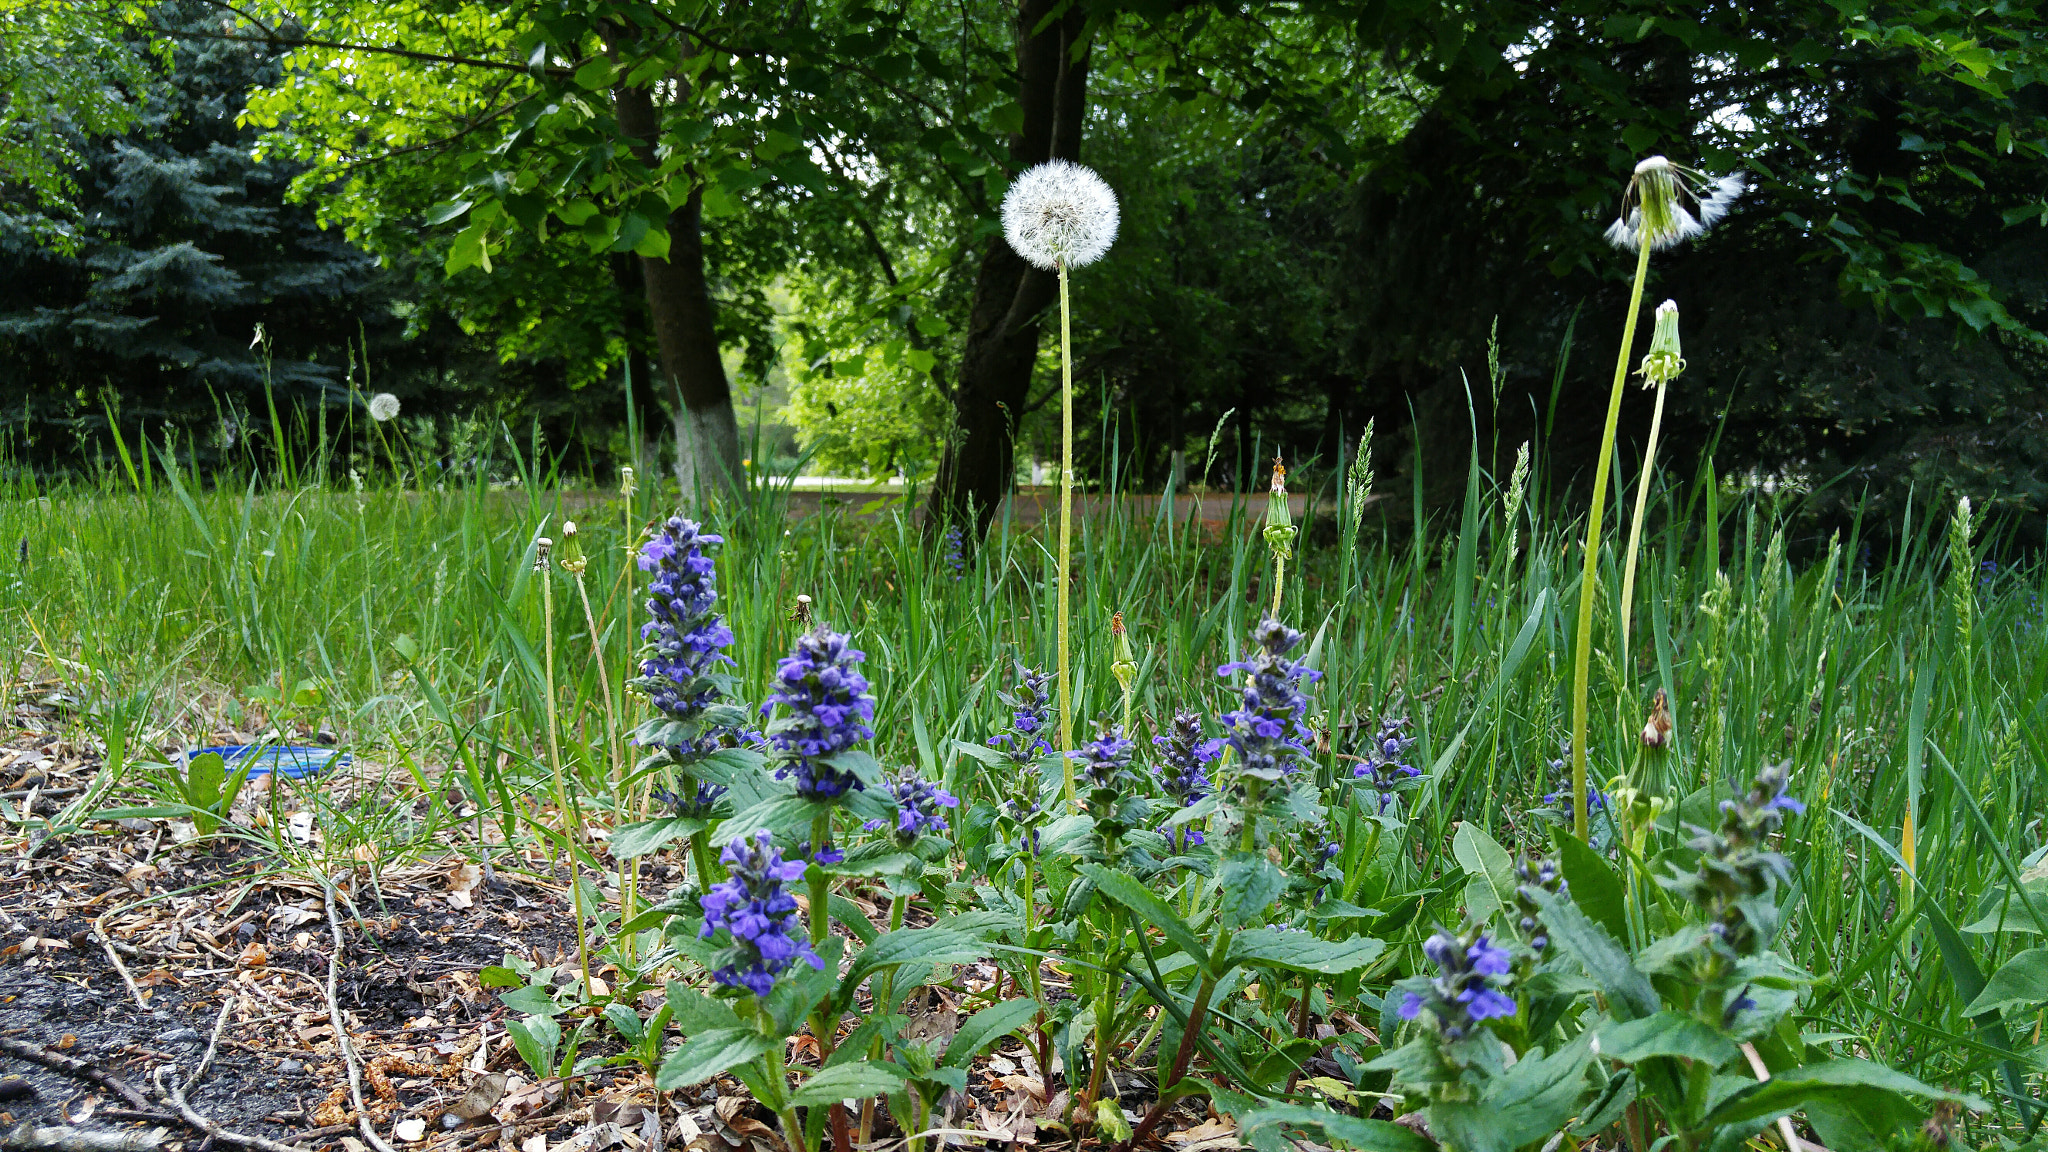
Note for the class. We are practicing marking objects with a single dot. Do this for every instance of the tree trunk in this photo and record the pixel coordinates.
(1010, 296)
(680, 311)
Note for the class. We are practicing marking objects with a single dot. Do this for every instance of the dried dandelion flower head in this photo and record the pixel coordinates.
(383, 407)
(1060, 213)
(1668, 203)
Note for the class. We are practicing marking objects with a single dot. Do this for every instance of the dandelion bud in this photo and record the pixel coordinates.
(1060, 215)
(1279, 520)
(1662, 363)
(1125, 667)
(541, 548)
(1657, 729)
(802, 613)
(571, 559)
(626, 484)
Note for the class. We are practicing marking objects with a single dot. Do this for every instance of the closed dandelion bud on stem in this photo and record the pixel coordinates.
(627, 486)
(571, 556)
(1663, 362)
(1657, 729)
(1279, 520)
(541, 548)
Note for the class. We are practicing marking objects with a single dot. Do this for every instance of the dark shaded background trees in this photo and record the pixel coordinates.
(1331, 210)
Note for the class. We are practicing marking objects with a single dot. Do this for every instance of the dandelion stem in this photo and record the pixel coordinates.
(611, 733)
(1582, 653)
(1635, 530)
(1066, 701)
(547, 608)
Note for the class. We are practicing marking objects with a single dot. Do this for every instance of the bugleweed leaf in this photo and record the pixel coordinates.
(851, 1081)
(1350, 1131)
(708, 1054)
(1151, 908)
(1665, 1034)
(1298, 951)
(986, 1027)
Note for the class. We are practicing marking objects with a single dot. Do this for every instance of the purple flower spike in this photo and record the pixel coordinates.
(918, 804)
(767, 936)
(685, 639)
(829, 710)
(1267, 732)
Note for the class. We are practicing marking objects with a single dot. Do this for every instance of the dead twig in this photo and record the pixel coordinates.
(36, 1053)
(99, 932)
(175, 1097)
(227, 1004)
(341, 1037)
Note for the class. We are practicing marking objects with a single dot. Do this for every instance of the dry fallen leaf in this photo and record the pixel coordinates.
(538, 1142)
(461, 882)
(410, 1130)
(1206, 1130)
(481, 1097)
(254, 956)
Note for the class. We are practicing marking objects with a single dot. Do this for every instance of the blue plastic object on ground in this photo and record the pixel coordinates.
(295, 761)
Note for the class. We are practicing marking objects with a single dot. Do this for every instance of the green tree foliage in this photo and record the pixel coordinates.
(179, 246)
(66, 71)
(1872, 308)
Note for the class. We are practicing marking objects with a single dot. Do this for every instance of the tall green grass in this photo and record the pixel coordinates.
(409, 621)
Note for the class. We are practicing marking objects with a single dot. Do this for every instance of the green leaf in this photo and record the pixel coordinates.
(1299, 951)
(1665, 1034)
(1629, 994)
(625, 1021)
(644, 836)
(532, 1000)
(1791, 1090)
(912, 946)
(1338, 1128)
(596, 73)
(498, 976)
(986, 1027)
(1150, 907)
(708, 1054)
(852, 1081)
(695, 1013)
(204, 775)
(1595, 887)
(537, 1038)
(1249, 884)
(653, 244)
(443, 213)
(1482, 856)
(2020, 982)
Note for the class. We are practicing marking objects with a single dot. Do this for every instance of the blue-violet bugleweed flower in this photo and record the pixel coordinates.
(1105, 771)
(956, 551)
(828, 712)
(1183, 771)
(1267, 732)
(1462, 993)
(685, 638)
(767, 936)
(1382, 766)
(918, 802)
(1030, 707)
(699, 805)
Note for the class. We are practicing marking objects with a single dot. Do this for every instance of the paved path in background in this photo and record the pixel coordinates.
(1031, 506)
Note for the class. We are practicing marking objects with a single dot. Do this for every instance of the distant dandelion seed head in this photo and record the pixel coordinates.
(1667, 204)
(383, 407)
(1060, 213)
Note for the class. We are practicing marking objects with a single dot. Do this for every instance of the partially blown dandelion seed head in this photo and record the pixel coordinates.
(383, 407)
(1667, 204)
(1060, 213)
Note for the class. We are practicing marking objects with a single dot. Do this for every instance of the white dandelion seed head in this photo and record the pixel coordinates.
(1060, 213)
(1655, 207)
(383, 407)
